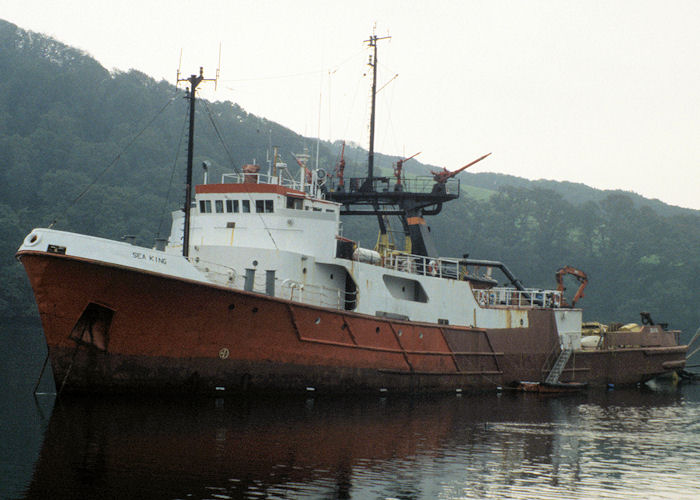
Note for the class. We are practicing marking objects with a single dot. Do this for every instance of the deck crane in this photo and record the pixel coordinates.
(443, 176)
(576, 273)
(398, 169)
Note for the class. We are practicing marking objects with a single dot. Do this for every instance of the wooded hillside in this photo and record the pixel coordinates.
(103, 153)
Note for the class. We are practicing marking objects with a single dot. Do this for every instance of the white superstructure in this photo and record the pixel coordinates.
(280, 237)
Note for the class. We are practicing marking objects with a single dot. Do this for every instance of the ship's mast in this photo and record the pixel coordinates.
(373, 63)
(194, 81)
(374, 196)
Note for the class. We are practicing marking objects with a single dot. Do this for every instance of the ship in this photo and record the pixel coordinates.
(257, 290)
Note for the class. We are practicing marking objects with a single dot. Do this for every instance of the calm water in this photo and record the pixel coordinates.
(607, 444)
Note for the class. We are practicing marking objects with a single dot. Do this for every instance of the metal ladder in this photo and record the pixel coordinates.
(558, 367)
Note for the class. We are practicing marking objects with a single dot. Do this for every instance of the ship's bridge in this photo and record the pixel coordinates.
(257, 210)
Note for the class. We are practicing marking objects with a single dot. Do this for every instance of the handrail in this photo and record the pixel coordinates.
(314, 186)
(258, 178)
(418, 184)
(528, 298)
(419, 264)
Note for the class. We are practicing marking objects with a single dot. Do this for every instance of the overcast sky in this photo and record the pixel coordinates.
(606, 93)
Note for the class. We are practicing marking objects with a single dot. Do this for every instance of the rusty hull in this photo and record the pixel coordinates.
(112, 329)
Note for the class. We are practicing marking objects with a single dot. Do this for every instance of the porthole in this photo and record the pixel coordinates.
(400, 333)
(377, 330)
(231, 307)
(318, 320)
(255, 309)
(420, 335)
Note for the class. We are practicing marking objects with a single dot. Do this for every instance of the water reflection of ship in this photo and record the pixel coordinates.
(173, 449)
(169, 449)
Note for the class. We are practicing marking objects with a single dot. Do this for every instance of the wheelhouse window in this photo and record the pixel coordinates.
(219, 206)
(295, 203)
(245, 206)
(264, 206)
(232, 206)
(205, 206)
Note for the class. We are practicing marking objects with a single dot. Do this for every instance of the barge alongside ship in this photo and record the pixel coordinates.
(257, 289)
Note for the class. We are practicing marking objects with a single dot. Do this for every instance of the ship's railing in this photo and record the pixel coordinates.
(422, 184)
(451, 268)
(258, 178)
(315, 184)
(419, 264)
(511, 297)
(286, 289)
(439, 267)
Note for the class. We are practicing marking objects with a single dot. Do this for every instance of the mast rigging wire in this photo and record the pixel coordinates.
(172, 173)
(218, 134)
(113, 162)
